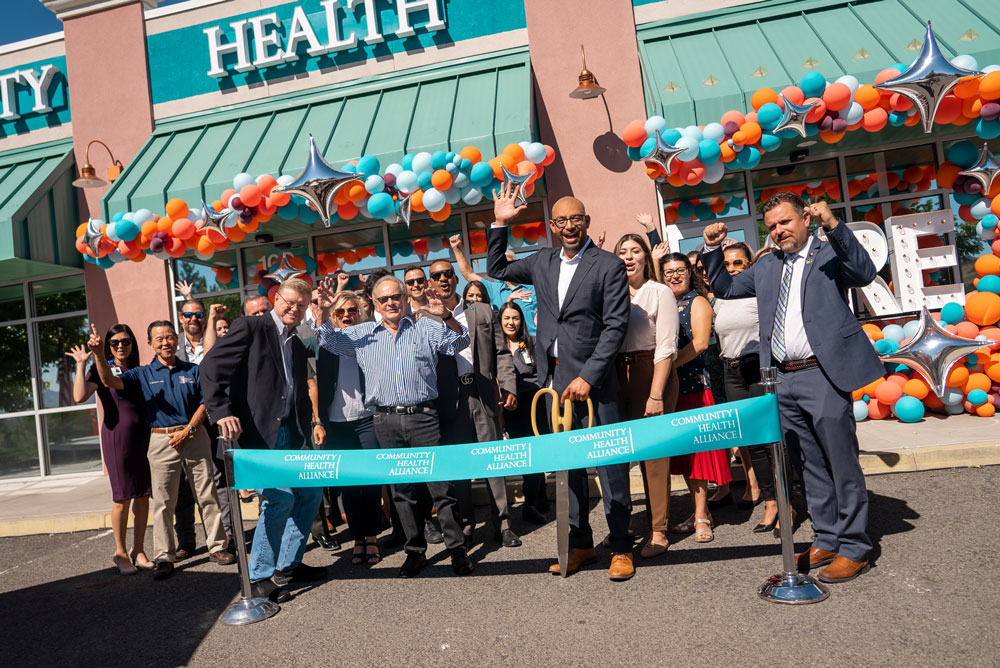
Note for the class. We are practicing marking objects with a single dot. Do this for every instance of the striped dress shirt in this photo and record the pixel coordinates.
(399, 370)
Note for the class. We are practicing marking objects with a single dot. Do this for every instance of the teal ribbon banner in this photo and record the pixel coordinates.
(735, 424)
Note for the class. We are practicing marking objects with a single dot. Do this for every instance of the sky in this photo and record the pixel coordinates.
(24, 19)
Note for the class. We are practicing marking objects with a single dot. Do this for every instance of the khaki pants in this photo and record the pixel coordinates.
(165, 464)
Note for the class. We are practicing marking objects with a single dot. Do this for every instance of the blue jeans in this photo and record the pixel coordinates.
(286, 516)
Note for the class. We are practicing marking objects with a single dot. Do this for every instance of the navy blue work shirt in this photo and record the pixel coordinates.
(170, 396)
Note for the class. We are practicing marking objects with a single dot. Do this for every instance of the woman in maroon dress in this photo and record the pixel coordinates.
(124, 441)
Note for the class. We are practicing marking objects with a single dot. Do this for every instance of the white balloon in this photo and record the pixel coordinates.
(714, 131)
(980, 208)
(394, 169)
(654, 123)
(406, 181)
(965, 61)
(461, 181)
(285, 179)
(242, 179)
(851, 82)
(142, 216)
(110, 233)
(472, 195)
(690, 146)
(692, 131)
(453, 195)
(714, 172)
(991, 68)
(855, 113)
(434, 200)
(435, 244)
(535, 152)
(422, 162)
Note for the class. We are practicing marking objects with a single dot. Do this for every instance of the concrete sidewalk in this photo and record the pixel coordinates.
(78, 503)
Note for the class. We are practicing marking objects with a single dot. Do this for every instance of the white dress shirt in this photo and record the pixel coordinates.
(567, 267)
(463, 360)
(796, 341)
(348, 404)
(195, 352)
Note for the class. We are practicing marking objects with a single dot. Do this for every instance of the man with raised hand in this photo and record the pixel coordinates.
(822, 355)
(583, 312)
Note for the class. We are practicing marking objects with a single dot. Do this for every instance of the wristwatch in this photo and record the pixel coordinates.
(192, 430)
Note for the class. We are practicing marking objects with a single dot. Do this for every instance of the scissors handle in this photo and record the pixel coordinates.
(561, 421)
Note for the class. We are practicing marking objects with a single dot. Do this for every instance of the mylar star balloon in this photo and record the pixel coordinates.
(215, 220)
(403, 211)
(318, 183)
(985, 170)
(793, 117)
(284, 271)
(520, 199)
(663, 154)
(92, 236)
(927, 80)
(933, 351)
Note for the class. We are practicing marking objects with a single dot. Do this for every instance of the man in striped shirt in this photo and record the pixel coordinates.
(398, 357)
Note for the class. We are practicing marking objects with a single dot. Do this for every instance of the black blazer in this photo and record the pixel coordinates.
(592, 322)
(242, 376)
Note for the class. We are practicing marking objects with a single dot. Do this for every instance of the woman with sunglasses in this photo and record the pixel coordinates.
(695, 315)
(350, 426)
(124, 442)
(514, 336)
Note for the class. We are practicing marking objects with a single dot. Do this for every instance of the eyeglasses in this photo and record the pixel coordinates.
(188, 314)
(291, 305)
(341, 312)
(385, 299)
(416, 281)
(445, 273)
(576, 219)
(118, 343)
(674, 272)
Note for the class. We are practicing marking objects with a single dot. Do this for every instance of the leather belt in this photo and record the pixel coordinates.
(737, 362)
(467, 379)
(425, 407)
(167, 430)
(789, 366)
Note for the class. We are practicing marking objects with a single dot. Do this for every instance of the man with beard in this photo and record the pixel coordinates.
(469, 400)
(416, 287)
(583, 312)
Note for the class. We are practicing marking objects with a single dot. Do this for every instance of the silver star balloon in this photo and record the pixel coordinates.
(520, 199)
(663, 154)
(92, 236)
(985, 170)
(793, 117)
(215, 220)
(927, 80)
(933, 351)
(318, 183)
(284, 271)
(403, 211)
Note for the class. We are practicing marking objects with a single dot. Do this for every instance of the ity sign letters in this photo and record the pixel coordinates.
(263, 41)
(39, 81)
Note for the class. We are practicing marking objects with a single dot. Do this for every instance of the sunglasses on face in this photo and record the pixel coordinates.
(416, 281)
(385, 299)
(188, 314)
(576, 219)
(446, 273)
(341, 312)
(118, 343)
(314, 301)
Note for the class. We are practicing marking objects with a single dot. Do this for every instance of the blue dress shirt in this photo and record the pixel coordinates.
(170, 396)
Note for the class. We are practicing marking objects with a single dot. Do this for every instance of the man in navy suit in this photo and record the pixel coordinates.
(822, 355)
(583, 310)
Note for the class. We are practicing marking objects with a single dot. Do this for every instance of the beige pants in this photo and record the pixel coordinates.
(165, 465)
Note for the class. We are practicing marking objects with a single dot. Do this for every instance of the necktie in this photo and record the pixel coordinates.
(778, 335)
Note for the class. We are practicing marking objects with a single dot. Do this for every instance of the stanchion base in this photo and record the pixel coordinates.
(249, 610)
(793, 589)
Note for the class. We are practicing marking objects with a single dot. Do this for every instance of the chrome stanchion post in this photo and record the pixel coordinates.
(789, 586)
(248, 609)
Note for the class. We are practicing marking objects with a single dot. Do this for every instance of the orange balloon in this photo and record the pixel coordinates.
(989, 86)
(794, 95)
(875, 119)
(898, 378)
(946, 174)
(987, 264)
(966, 88)
(873, 332)
(981, 308)
(986, 410)
(888, 393)
(236, 235)
(355, 192)
(878, 410)
(916, 387)
(867, 96)
(872, 386)
(525, 167)
(949, 109)
(177, 208)
(441, 179)
(635, 134)
(515, 152)
(733, 116)
(224, 275)
(977, 381)
(417, 201)
(442, 214)
(183, 228)
(138, 258)
(992, 369)
(764, 95)
(347, 211)
(967, 329)
(205, 246)
(751, 132)
(471, 153)
(837, 96)
(958, 376)
(508, 161)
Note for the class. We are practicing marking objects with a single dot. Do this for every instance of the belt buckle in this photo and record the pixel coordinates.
(467, 379)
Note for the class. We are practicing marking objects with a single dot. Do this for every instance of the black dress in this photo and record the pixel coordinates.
(518, 421)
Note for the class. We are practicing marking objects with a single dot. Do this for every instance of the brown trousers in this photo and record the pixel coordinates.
(635, 377)
(165, 464)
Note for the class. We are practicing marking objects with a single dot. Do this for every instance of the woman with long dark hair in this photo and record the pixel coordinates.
(514, 335)
(695, 315)
(124, 442)
(475, 291)
(644, 370)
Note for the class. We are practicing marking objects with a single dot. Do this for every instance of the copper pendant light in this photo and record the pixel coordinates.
(588, 87)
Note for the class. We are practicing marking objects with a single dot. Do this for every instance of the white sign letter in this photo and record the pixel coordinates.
(264, 38)
(373, 36)
(216, 49)
(301, 30)
(335, 41)
(40, 86)
(434, 21)
(8, 96)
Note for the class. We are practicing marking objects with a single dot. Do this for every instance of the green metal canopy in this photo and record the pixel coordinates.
(700, 66)
(38, 211)
(484, 102)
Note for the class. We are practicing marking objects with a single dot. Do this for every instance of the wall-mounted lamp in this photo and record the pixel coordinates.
(88, 175)
(588, 87)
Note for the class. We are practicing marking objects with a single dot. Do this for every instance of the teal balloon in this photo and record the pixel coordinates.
(703, 211)
(380, 205)
(976, 397)
(709, 151)
(438, 160)
(671, 135)
(424, 180)
(909, 409)
(465, 165)
(118, 216)
(769, 142)
(407, 161)
(989, 283)
(860, 409)
(988, 129)
(128, 231)
(963, 153)
(769, 115)
(634, 153)
(481, 174)
(886, 346)
(812, 84)
(989, 221)
(368, 165)
(288, 212)
(380, 250)
(647, 147)
(307, 215)
(105, 262)
(967, 199)
(748, 158)
(952, 313)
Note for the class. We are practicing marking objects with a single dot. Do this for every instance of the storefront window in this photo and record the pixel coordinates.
(18, 447)
(55, 338)
(426, 240)
(257, 260)
(73, 441)
(59, 295)
(526, 232)
(11, 302)
(706, 201)
(213, 275)
(352, 251)
(15, 370)
(891, 173)
(812, 181)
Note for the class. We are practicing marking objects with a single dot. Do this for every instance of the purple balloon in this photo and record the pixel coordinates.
(267, 283)
(990, 111)
(826, 124)
(236, 203)
(156, 245)
(731, 128)
(246, 214)
(839, 125)
(161, 235)
(389, 179)
(973, 187)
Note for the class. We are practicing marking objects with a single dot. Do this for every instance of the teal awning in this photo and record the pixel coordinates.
(485, 102)
(38, 211)
(700, 66)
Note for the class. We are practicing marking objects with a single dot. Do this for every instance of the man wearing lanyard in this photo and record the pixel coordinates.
(500, 292)
(254, 380)
(398, 356)
(172, 403)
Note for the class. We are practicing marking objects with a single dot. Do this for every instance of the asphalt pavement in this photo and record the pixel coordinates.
(931, 600)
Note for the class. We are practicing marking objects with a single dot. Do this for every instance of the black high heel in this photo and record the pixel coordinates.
(777, 532)
(764, 528)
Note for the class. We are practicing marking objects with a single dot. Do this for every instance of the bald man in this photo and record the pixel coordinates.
(583, 310)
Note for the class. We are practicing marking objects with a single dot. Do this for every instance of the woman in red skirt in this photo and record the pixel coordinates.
(695, 314)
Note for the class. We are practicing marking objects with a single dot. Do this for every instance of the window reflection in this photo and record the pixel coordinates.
(213, 275)
(352, 251)
(705, 201)
(15, 370)
(425, 240)
(11, 302)
(72, 440)
(18, 447)
(55, 337)
(812, 181)
(59, 295)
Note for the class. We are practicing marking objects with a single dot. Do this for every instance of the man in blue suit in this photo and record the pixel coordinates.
(822, 355)
(583, 310)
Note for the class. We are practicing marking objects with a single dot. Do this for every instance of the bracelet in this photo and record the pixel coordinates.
(317, 423)
(655, 398)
